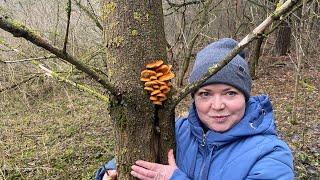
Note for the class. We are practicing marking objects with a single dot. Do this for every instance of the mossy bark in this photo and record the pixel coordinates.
(134, 36)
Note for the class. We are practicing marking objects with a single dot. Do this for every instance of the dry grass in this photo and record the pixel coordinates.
(60, 134)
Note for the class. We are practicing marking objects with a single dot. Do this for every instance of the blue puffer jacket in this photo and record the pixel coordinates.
(250, 150)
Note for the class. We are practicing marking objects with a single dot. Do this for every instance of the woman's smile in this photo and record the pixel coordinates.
(219, 106)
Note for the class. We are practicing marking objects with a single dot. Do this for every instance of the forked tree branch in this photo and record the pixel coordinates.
(258, 31)
(19, 30)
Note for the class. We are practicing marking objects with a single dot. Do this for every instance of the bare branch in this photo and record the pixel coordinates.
(77, 85)
(171, 4)
(29, 59)
(68, 26)
(186, 60)
(282, 10)
(91, 15)
(19, 30)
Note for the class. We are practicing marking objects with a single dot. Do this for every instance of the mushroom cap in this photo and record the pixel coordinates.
(161, 82)
(161, 95)
(153, 98)
(155, 92)
(156, 86)
(162, 98)
(165, 69)
(164, 87)
(148, 89)
(157, 103)
(165, 90)
(144, 79)
(166, 77)
(153, 78)
(154, 64)
(159, 74)
(147, 73)
(150, 83)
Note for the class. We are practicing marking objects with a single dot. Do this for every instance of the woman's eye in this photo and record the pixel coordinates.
(204, 94)
(231, 93)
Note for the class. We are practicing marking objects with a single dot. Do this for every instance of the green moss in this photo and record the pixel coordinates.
(108, 8)
(137, 16)
(116, 41)
(18, 25)
(2, 41)
(212, 68)
(147, 16)
(121, 119)
(112, 25)
(134, 32)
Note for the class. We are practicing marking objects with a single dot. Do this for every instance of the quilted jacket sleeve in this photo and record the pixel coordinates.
(179, 175)
(100, 172)
(278, 164)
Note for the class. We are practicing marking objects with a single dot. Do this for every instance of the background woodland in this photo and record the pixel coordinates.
(50, 129)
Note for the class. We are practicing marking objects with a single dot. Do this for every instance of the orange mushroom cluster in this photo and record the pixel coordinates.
(156, 80)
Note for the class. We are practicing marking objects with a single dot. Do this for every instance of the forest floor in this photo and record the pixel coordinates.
(56, 132)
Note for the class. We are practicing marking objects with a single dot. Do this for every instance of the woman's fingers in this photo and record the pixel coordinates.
(171, 160)
(148, 165)
(140, 176)
(144, 172)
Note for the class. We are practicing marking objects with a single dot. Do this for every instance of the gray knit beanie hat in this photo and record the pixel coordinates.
(235, 73)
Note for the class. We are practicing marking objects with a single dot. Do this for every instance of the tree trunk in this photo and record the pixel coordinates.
(254, 60)
(134, 36)
(283, 39)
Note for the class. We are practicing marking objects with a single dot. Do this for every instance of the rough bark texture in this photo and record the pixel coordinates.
(134, 36)
(254, 60)
(283, 39)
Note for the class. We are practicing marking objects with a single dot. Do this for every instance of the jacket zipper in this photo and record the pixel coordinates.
(204, 136)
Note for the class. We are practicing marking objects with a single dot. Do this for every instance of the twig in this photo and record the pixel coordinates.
(18, 84)
(29, 59)
(91, 15)
(19, 30)
(77, 85)
(186, 60)
(68, 26)
(283, 18)
(171, 4)
(57, 76)
(282, 10)
(260, 5)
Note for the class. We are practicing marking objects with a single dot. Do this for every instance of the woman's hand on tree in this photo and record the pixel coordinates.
(146, 170)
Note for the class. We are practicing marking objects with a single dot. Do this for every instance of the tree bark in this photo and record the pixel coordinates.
(134, 36)
(254, 60)
(283, 39)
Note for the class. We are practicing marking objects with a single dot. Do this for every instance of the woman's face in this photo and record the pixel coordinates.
(219, 106)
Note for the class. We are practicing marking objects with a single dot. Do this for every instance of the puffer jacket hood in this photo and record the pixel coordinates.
(257, 120)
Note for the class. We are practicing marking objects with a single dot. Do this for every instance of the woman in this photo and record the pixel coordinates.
(227, 134)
